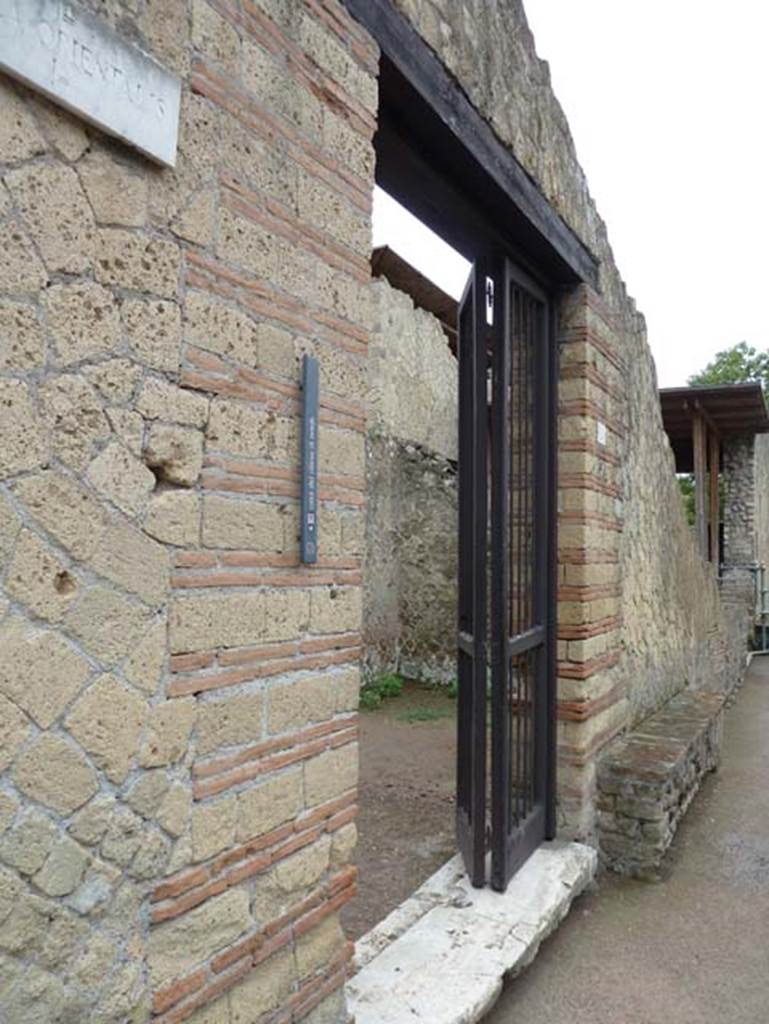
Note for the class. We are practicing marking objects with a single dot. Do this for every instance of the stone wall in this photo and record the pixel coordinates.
(409, 617)
(177, 694)
(640, 616)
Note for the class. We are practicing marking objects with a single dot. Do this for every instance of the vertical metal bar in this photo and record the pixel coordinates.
(500, 582)
(549, 458)
(309, 498)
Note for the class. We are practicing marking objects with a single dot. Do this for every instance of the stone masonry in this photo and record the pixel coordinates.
(177, 694)
(178, 736)
(410, 584)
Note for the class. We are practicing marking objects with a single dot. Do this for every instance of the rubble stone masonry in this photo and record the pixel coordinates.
(177, 693)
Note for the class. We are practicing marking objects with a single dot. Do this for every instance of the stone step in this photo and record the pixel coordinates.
(442, 956)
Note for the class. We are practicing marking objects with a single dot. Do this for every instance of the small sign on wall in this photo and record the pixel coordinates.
(309, 511)
(82, 64)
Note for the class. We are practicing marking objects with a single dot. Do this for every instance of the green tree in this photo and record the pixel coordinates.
(735, 365)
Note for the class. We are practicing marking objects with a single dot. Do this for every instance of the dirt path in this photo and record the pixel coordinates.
(406, 819)
(693, 948)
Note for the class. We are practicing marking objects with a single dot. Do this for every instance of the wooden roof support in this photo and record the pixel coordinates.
(699, 435)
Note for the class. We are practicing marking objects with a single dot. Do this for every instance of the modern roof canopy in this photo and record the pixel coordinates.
(728, 410)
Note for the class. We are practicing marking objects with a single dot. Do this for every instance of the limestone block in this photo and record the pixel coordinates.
(137, 262)
(213, 827)
(14, 731)
(64, 131)
(114, 379)
(107, 624)
(287, 614)
(353, 533)
(83, 321)
(70, 513)
(174, 812)
(10, 525)
(57, 213)
(241, 429)
(89, 824)
(154, 332)
(151, 857)
(343, 843)
(166, 28)
(8, 809)
(73, 413)
(21, 271)
(159, 400)
(341, 451)
(248, 244)
(20, 138)
(181, 855)
(215, 37)
(177, 945)
(335, 610)
(26, 846)
(347, 689)
(214, 1013)
(24, 444)
(330, 774)
(196, 223)
(175, 453)
(242, 523)
(168, 731)
(275, 348)
(305, 868)
(95, 961)
(123, 836)
(39, 579)
(265, 988)
(269, 804)
(22, 344)
(55, 773)
(121, 478)
(319, 946)
(117, 193)
(107, 722)
(137, 563)
(146, 794)
(128, 427)
(145, 666)
(295, 704)
(229, 721)
(39, 671)
(174, 517)
(205, 621)
(216, 327)
(63, 869)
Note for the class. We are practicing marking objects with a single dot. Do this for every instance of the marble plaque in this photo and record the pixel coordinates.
(68, 54)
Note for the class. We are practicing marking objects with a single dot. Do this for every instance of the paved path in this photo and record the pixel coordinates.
(692, 948)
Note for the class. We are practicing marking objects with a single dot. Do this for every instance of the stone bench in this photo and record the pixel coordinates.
(647, 779)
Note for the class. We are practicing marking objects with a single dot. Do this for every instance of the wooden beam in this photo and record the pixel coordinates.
(432, 108)
(699, 437)
(714, 455)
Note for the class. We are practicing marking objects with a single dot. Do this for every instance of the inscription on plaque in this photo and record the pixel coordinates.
(85, 66)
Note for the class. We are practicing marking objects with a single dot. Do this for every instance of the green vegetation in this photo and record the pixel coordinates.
(735, 365)
(379, 689)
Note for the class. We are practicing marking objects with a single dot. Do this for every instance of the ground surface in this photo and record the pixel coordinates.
(406, 818)
(692, 948)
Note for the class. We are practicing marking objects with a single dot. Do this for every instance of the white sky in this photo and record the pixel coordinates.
(668, 104)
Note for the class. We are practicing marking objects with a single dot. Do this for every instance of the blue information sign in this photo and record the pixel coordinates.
(310, 395)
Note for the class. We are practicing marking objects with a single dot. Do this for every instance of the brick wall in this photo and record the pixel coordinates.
(177, 693)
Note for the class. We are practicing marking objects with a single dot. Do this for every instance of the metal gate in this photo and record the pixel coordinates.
(506, 571)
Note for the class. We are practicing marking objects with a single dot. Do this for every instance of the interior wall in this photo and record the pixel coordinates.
(410, 588)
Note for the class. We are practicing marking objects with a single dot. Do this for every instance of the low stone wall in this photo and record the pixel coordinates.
(647, 779)
(410, 586)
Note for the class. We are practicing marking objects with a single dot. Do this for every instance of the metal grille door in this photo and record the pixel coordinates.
(521, 574)
(506, 469)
